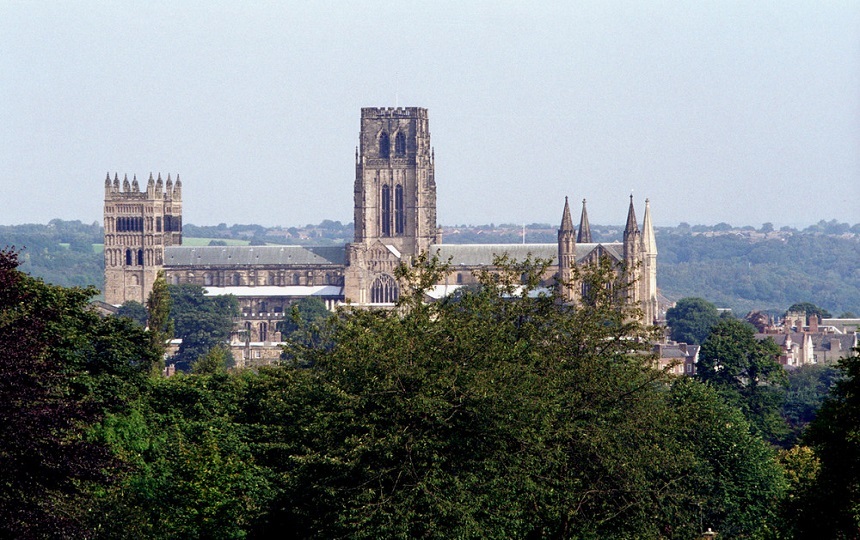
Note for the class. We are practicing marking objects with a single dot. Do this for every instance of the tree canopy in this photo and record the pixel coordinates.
(691, 319)
(201, 321)
(747, 373)
(62, 367)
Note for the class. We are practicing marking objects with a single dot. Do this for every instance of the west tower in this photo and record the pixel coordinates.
(395, 200)
(138, 226)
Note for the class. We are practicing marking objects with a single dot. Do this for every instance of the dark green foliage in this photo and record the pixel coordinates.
(834, 500)
(307, 325)
(201, 321)
(61, 368)
(746, 372)
(806, 390)
(135, 311)
(194, 472)
(216, 360)
(691, 320)
(158, 309)
(500, 415)
(810, 309)
(306, 311)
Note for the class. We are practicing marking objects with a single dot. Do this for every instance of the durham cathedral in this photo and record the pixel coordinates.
(395, 220)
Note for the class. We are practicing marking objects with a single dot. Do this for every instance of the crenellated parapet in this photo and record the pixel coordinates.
(394, 112)
(115, 190)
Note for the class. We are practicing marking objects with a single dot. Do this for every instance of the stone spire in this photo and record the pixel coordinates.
(566, 253)
(631, 227)
(125, 185)
(584, 236)
(134, 185)
(649, 241)
(177, 188)
(566, 221)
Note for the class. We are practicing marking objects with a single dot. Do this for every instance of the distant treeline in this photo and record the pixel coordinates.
(741, 268)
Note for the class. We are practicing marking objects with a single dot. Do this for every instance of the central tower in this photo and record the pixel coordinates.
(395, 200)
(395, 192)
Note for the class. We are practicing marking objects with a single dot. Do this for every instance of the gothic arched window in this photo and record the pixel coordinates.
(237, 279)
(399, 215)
(384, 145)
(384, 290)
(400, 145)
(140, 257)
(128, 257)
(386, 211)
(207, 278)
(158, 224)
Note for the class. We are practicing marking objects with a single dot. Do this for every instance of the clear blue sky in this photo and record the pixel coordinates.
(743, 112)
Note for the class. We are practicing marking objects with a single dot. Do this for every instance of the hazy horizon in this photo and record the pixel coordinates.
(716, 112)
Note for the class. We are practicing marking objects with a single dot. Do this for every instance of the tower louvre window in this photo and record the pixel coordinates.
(399, 216)
(386, 211)
(384, 145)
(400, 145)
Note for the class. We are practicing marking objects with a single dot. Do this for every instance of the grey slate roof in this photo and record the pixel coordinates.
(483, 254)
(254, 256)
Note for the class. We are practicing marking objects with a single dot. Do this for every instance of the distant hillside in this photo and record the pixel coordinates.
(738, 268)
(67, 253)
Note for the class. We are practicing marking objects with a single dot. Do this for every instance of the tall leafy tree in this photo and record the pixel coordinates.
(202, 322)
(835, 436)
(691, 320)
(158, 307)
(61, 368)
(746, 372)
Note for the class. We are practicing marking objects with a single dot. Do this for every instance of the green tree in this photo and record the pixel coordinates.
(192, 471)
(135, 311)
(216, 360)
(62, 367)
(807, 388)
(746, 372)
(834, 501)
(691, 319)
(810, 309)
(501, 413)
(158, 307)
(306, 311)
(201, 321)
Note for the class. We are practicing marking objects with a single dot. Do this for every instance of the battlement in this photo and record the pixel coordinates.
(393, 112)
(155, 189)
